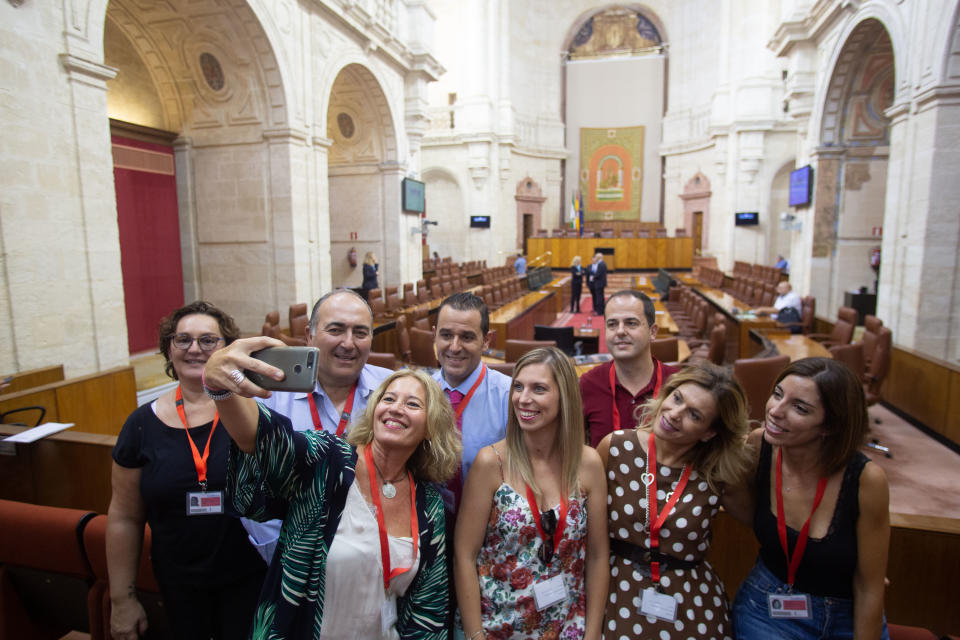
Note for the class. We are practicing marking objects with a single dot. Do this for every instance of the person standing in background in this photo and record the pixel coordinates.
(520, 265)
(576, 284)
(370, 268)
(597, 280)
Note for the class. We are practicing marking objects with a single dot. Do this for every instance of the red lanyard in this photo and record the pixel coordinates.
(561, 520)
(200, 462)
(389, 574)
(466, 399)
(794, 562)
(613, 390)
(344, 417)
(656, 521)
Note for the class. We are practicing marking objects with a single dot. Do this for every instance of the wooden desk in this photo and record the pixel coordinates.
(739, 322)
(629, 253)
(798, 346)
(665, 322)
(515, 320)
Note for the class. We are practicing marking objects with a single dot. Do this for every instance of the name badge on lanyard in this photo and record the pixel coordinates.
(658, 605)
(549, 592)
(203, 502)
(792, 605)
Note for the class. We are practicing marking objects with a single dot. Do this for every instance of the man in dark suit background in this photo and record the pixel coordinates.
(597, 281)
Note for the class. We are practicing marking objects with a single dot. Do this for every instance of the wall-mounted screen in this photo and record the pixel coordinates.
(747, 218)
(480, 222)
(413, 195)
(801, 186)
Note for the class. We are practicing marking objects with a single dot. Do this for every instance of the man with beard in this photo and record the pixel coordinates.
(613, 391)
(341, 328)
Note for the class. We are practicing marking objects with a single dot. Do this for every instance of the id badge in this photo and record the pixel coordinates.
(201, 503)
(388, 615)
(659, 605)
(547, 593)
(788, 605)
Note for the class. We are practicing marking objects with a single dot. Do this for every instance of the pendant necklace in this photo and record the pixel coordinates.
(387, 489)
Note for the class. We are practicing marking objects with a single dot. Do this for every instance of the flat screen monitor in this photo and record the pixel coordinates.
(801, 186)
(414, 193)
(747, 218)
(480, 222)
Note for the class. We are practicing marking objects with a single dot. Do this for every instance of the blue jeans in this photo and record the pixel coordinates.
(829, 617)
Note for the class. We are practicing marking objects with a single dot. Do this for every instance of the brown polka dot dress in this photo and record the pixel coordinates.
(702, 607)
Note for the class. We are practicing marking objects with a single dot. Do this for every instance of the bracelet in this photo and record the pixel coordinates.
(478, 633)
(214, 394)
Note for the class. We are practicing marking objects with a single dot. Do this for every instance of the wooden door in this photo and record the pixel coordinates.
(697, 232)
(527, 229)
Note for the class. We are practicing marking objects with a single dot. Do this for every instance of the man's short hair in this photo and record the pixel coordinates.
(323, 298)
(649, 313)
(466, 301)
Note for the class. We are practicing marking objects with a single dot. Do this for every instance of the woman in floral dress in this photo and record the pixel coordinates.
(531, 555)
(665, 483)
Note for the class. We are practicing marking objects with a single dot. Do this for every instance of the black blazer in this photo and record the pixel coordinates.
(600, 278)
(577, 275)
(369, 276)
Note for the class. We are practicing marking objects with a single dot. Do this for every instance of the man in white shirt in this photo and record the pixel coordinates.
(786, 297)
(480, 394)
(341, 328)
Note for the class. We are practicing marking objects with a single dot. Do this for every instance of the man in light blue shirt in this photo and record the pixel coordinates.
(341, 328)
(520, 264)
(461, 334)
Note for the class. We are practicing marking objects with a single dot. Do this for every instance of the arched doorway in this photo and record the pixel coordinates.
(364, 178)
(614, 98)
(851, 166)
(198, 90)
(696, 211)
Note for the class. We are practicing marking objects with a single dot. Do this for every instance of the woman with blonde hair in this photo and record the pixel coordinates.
(666, 482)
(370, 268)
(576, 284)
(347, 504)
(531, 540)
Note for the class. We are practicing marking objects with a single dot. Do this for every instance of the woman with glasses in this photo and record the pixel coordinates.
(169, 471)
(666, 481)
(531, 556)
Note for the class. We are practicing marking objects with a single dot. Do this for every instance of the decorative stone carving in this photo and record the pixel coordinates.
(825, 214)
(615, 31)
(855, 174)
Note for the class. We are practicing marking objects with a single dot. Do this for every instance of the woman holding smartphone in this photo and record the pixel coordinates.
(531, 540)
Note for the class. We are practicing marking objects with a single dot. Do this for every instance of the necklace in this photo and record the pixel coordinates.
(387, 490)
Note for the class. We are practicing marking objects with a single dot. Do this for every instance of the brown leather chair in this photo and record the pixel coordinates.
(716, 350)
(423, 294)
(756, 376)
(422, 323)
(842, 330)
(871, 333)
(393, 303)
(421, 348)
(385, 360)
(665, 349)
(403, 338)
(374, 293)
(271, 325)
(407, 286)
(298, 330)
(879, 366)
(506, 368)
(379, 308)
(850, 355)
(390, 291)
(298, 320)
(409, 299)
(516, 348)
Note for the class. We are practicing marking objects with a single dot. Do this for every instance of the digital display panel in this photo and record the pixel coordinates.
(801, 186)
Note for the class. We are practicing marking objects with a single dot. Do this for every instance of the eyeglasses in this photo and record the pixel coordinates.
(206, 342)
(548, 522)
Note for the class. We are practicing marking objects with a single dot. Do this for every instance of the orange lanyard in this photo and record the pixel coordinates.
(793, 562)
(200, 462)
(613, 390)
(466, 399)
(344, 416)
(656, 521)
(561, 520)
(389, 574)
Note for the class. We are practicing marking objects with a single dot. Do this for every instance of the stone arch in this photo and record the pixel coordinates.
(582, 22)
(949, 65)
(447, 204)
(363, 175)
(851, 162)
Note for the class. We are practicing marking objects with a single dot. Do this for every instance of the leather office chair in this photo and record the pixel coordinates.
(296, 315)
(403, 338)
(390, 291)
(665, 349)
(842, 330)
(409, 299)
(407, 286)
(374, 293)
(871, 333)
(423, 295)
(421, 348)
(716, 350)
(385, 360)
(422, 323)
(756, 376)
(271, 325)
(393, 304)
(506, 368)
(379, 308)
(516, 348)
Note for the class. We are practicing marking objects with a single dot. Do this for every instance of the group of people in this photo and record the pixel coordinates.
(474, 505)
(596, 275)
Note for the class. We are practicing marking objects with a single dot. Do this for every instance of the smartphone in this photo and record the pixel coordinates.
(299, 365)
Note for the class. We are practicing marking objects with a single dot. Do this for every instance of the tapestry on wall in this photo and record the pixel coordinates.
(611, 172)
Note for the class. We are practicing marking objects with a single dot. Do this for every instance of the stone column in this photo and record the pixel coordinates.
(319, 208)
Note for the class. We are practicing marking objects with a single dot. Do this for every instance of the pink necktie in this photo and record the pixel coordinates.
(455, 484)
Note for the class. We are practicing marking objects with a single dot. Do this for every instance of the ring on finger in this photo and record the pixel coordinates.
(237, 376)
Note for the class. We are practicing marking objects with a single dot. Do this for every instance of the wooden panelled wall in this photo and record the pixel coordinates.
(629, 253)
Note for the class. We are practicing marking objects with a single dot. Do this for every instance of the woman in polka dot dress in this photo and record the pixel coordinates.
(665, 483)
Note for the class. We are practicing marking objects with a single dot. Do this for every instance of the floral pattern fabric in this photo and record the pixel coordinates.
(509, 565)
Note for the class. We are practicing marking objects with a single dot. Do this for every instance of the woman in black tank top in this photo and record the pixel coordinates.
(820, 510)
